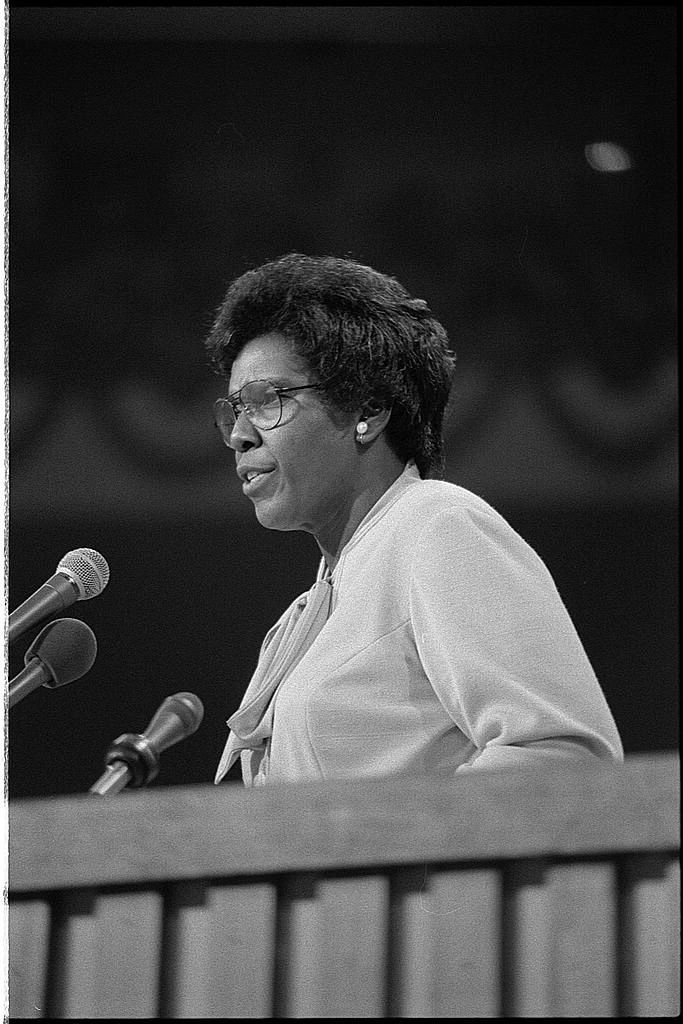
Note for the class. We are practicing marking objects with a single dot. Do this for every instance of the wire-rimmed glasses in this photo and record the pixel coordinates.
(259, 400)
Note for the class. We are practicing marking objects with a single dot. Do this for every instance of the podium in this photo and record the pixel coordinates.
(522, 893)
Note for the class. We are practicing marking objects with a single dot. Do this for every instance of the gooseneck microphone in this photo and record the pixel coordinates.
(133, 759)
(80, 575)
(64, 650)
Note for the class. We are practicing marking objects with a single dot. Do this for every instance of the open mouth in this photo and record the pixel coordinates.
(254, 478)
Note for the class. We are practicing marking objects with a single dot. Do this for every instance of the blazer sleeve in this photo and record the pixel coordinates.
(499, 647)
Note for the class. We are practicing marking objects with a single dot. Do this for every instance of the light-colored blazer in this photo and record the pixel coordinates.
(439, 644)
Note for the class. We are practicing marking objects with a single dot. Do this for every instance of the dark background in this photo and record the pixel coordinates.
(155, 153)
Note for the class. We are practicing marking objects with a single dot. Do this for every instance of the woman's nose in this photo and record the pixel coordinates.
(244, 434)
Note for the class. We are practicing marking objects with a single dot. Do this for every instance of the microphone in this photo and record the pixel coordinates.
(80, 575)
(64, 650)
(133, 759)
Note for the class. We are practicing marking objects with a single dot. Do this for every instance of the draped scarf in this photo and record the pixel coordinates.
(285, 644)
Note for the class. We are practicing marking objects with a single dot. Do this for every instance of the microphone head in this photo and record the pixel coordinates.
(87, 569)
(67, 647)
(188, 708)
(175, 719)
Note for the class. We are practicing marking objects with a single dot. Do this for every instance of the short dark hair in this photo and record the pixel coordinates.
(362, 335)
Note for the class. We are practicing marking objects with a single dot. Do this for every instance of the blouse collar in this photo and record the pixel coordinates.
(406, 479)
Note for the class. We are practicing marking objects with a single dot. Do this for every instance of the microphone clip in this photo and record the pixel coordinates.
(133, 759)
(138, 755)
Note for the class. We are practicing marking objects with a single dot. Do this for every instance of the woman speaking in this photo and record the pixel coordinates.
(434, 639)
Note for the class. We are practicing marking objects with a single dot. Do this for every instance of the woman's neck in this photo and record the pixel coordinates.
(340, 533)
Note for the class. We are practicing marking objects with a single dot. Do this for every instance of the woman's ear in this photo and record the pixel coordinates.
(372, 421)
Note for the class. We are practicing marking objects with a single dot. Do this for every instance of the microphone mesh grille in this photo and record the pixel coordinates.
(68, 647)
(90, 570)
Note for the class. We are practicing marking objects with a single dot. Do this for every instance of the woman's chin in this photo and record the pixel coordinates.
(273, 517)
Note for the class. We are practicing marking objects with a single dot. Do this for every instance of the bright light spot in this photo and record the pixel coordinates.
(608, 157)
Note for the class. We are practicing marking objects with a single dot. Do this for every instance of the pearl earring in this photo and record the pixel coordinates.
(360, 430)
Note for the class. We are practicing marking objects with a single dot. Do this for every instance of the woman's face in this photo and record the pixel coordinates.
(308, 463)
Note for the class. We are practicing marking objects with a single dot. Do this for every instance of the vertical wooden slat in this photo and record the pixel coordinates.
(560, 939)
(465, 906)
(527, 940)
(219, 950)
(410, 946)
(650, 924)
(105, 955)
(28, 939)
(445, 943)
(354, 969)
(674, 881)
(332, 939)
(299, 938)
(584, 947)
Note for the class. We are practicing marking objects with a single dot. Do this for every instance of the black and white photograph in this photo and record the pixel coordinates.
(341, 512)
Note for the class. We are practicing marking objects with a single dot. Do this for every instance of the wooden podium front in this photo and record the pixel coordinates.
(496, 894)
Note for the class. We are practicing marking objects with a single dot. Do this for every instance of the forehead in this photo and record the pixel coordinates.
(271, 357)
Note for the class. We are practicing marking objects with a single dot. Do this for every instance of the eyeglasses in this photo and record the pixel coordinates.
(260, 400)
